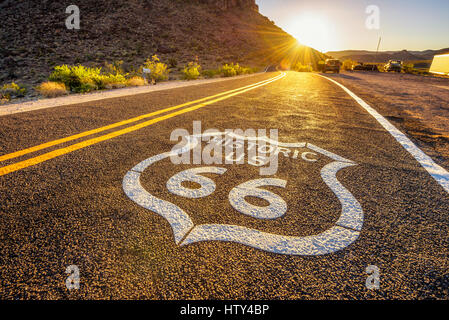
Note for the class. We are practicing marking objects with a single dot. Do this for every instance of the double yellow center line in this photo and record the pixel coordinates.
(197, 104)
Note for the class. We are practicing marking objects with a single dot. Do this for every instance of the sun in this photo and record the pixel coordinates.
(312, 30)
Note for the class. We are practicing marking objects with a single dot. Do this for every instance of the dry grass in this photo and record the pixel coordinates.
(52, 89)
(115, 85)
(136, 82)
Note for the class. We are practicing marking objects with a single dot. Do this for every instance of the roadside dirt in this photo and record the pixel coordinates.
(417, 105)
(36, 104)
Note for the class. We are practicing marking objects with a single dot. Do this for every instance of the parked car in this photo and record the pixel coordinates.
(365, 67)
(332, 65)
(393, 65)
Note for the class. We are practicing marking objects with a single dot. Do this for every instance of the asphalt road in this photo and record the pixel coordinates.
(64, 204)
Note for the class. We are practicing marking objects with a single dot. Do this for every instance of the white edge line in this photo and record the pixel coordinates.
(440, 174)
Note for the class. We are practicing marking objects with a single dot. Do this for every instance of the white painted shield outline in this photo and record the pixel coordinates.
(344, 233)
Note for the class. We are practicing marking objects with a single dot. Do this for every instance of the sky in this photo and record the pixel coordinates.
(331, 25)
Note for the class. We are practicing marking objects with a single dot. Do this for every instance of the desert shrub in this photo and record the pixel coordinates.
(86, 77)
(99, 82)
(114, 67)
(52, 89)
(248, 70)
(412, 69)
(254, 70)
(11, 90)
(136, 82)
(115, 77)
(191, 71)
(238, 69)
(61, 74)
(77, 78)
(113, 81)
(210, 73)
(82, 79)
(299, 67)
(348, 64)
(242, 70)
(408, 68)
(159, 70)
(228, 70)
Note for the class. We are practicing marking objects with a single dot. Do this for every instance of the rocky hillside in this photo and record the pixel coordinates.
(34, 38)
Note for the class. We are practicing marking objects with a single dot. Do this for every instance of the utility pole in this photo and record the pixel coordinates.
(377, 50)
(378, 45)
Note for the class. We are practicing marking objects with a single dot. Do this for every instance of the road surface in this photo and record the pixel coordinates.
(352, 197)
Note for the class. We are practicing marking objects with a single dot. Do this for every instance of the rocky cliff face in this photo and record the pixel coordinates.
(34, 38)
(227, 4)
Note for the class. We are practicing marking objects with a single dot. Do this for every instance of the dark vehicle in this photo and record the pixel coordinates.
(365, 67)
(359, 67)
(393, 65)
(332, 65)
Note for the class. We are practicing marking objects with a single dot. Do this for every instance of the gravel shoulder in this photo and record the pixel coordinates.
(417, 105)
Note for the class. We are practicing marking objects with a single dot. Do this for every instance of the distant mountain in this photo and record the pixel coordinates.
(384, 56)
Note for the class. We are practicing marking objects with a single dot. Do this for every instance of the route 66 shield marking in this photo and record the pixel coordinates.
(344, 233)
